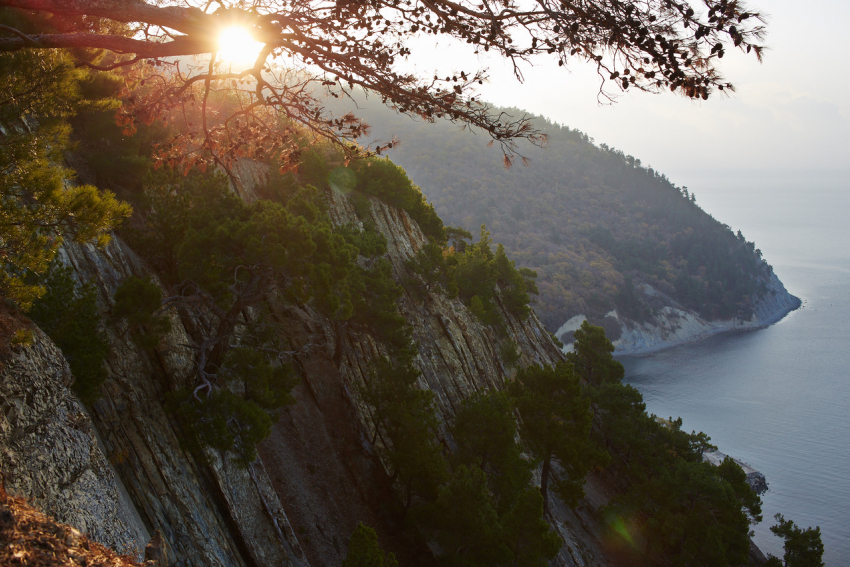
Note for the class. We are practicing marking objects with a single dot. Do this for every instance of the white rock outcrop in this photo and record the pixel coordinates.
(674, 325)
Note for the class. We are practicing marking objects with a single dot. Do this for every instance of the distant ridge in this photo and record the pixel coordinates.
(612, 240)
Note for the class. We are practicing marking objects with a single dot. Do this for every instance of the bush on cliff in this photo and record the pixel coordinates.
(40, 204)
(69, 316)
(137, 302)
(476, 274)
(803, 548)
(364, 551)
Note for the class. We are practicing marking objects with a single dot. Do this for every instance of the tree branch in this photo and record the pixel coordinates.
(183, 45)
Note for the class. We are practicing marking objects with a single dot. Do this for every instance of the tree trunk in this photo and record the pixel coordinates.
(544, 483)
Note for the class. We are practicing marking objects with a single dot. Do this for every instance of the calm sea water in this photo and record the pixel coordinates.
(777, 398)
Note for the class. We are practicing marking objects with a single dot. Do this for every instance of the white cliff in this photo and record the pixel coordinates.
(674, 325)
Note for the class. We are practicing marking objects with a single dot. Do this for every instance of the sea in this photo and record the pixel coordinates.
(777, 398)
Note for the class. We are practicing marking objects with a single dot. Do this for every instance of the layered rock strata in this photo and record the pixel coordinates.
(49, 452)
(318, 475)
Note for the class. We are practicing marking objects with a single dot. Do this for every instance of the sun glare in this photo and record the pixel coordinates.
(238, 47)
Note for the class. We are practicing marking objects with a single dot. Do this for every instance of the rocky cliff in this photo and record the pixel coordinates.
(210, 512)
(317, 477)
(49, 451)
(674, 325)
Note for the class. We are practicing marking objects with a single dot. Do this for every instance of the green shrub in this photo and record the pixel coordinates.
(137, 300)
(364, 551)
(69, 316)
(369, 242)
(375, 295)
(431, 271)
(224, 420)
(481, 275)
(509, 353)
(381, 178)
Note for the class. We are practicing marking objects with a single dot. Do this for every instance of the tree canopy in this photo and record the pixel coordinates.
(803, 548)
(649, 45)
(39, 205)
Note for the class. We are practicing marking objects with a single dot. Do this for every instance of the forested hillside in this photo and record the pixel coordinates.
(593, 222)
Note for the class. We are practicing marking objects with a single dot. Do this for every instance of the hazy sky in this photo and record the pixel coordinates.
(788, 122)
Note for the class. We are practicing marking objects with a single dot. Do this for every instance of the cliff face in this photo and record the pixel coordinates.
(49, 452)
(319, 455)
(674, 325)
(318, 475)
(209, 513)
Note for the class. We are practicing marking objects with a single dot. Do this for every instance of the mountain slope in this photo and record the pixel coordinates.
(612, 241)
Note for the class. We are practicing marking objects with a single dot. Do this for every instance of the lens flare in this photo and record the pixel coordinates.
(236, 46)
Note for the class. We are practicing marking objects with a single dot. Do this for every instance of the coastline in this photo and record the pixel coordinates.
(674, 326)
(713, 328)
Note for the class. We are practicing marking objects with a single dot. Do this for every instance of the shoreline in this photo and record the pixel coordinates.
(662, 345)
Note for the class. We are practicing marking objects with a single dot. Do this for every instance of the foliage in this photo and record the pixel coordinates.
(374, 292)
(480, 273)
(137, 300)
(225, 257)
(364, 551)
(113, 159)
(488, 513)
(592, 356)
(485, 431)
(388, 182)
(473, 272)
(652, 46)
(375, 304)
(40, 205)
(69, 316)
(691, 514)
(403, 415)
(465, 520)
(431, 271)
(680, 510)
(803, 548)
(509, 353)
(369, 242)
(555, 423)
(237, 416)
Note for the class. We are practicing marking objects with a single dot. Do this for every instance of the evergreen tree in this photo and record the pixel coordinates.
(493, 479)
(69, 315)
(803, 548)
(403, 416)
(137, 301)
(464, 522)
(40, 203)
(555, 423)
(485, 431)
(592, 356)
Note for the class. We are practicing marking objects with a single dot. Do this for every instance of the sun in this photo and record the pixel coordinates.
(236, 46)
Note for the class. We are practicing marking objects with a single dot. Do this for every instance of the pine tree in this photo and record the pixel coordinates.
(555, 423)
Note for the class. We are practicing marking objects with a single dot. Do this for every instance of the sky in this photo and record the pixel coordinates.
(788, 124)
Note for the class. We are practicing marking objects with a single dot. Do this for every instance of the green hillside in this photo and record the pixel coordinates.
(592, 221)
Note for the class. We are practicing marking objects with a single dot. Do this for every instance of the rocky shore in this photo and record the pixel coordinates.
(755, 479)
(675, 325)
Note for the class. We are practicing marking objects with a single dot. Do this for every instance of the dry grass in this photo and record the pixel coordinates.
(28, 537)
